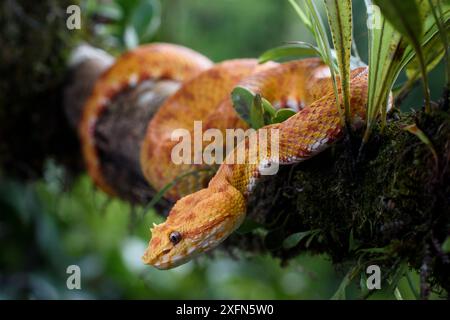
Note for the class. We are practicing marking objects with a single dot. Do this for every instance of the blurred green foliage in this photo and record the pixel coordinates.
(45, 228)
(125, 24)
(47, 225)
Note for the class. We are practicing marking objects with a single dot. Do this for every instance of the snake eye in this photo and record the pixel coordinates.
(175, 237)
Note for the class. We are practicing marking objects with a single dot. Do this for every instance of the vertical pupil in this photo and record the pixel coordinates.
(175, 237)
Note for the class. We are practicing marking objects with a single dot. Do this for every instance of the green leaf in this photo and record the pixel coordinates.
(295, 238)
(434, 51)
(386, 47)
(438, 13)
(242, 101)
(130, 37)
(389, 53)
(298, 50)
(291, 51)
(248, 226)
(282, 115)
(302, 15)
(431, 34)
(268, 108)
(109, 10)
(323, 43)
(311, 238)
(398, 295)
(423, 137)
(339, 14)
(395, 277)
(446, 245)
(257, 113)
(145, 18)
(340, 292)
(406, 18)
(374, 250)
(433, 45)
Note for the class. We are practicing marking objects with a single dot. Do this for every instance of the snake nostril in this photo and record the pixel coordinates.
(165, 251)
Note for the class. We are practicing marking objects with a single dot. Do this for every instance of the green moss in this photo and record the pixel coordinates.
(35, 44)
(392, 207)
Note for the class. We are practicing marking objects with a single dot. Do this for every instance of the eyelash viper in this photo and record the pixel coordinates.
(202, 220)
(160, 61)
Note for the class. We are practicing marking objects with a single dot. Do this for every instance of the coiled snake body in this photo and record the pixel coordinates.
(201, 220)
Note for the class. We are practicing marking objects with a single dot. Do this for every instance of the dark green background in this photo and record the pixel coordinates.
(46, 226)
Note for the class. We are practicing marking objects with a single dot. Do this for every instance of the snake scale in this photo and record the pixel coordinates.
(201, 220)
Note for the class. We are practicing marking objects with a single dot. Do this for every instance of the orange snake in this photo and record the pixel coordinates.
(201, 220)
(155, 61)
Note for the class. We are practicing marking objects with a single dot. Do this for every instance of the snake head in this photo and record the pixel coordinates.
(197, 223)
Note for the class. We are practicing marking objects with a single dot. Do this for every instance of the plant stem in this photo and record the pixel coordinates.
(442, 30)
(426, 90)
(411, 286)
(324, 45)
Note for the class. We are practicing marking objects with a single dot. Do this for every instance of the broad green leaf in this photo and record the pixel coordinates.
(242, 101)
(257, 113)
(290, 51)
(268, 108)
(295, 238)
(339, 14)
(145, 18)
(282, 115)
